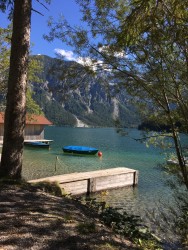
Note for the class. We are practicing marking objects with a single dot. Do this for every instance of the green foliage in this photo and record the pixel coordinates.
(32, 106)
(106, 246)
(100, 115)
(54, 111)
(173, 221)
(86, 228)
(35, 67)
(5, 4)
(125, 224)
(129, 110)
(161, 140)
(5, 36)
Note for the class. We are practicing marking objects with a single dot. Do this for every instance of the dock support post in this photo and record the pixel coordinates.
(91, 185)
(135, 178)
(56, 163)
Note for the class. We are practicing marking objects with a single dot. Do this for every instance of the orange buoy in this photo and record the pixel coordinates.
(99, 153)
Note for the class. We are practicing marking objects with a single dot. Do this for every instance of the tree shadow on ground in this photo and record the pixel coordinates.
(33, 219)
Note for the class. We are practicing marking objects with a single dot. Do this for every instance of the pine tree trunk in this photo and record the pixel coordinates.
(12, 152)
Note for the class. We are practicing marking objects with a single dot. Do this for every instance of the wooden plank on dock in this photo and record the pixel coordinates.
(93, 181)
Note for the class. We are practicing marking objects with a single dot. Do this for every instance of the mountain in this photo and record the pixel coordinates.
(72, 95)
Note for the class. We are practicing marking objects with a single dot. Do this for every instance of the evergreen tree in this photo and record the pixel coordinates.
(12, 152)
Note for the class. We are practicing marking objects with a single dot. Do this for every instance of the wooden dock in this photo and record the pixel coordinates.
(93, 181)
(39, 140)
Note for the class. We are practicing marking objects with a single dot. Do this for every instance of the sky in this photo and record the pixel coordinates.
(68, 8)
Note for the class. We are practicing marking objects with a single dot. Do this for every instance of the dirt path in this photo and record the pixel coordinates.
(33, 219)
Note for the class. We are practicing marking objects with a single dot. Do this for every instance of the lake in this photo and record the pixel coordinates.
(118, 151)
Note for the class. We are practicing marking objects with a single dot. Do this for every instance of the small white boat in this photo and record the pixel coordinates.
(175, 162)
(37, 144)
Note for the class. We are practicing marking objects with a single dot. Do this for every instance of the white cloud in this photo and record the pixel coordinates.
(67, 54)
(70, 56)
(85, 61)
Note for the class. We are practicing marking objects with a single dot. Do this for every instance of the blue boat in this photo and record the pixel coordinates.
(80, 150)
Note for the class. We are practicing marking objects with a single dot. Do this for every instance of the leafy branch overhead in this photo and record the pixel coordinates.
(134, 42)
(143, 46)
(35, 67)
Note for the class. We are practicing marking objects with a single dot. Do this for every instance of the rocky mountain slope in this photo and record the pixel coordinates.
(72, 95)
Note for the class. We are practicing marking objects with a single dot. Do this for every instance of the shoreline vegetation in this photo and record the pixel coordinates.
(40, 217)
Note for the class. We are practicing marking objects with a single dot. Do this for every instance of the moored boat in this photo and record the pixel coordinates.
(38, 144)
(175, 161)
(80, 150)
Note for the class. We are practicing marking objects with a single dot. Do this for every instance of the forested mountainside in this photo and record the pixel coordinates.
(69, 93)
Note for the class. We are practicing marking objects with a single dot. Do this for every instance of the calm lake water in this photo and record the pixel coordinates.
(118, 151)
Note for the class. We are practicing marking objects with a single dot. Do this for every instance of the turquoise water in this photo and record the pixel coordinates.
(118, 151)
